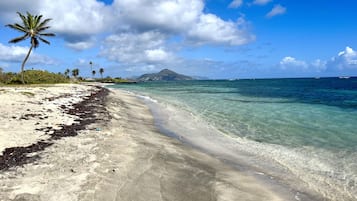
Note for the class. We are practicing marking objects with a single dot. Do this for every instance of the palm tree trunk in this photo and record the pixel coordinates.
(23, 64)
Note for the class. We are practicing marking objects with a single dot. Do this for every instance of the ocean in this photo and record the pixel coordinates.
(302, 132)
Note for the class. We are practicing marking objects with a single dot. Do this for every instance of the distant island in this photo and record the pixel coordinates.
(164, 75)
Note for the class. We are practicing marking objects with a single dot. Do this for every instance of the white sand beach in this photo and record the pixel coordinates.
(123, 157)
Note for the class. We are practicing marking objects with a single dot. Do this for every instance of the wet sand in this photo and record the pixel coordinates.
(122, 156)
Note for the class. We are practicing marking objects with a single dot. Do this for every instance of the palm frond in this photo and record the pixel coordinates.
(37, 20)
(39, 29)
(44, 22)
(24, 19)
(43, 40)
(47, 34)
(30, 20)
(17, 27)
(18, 39)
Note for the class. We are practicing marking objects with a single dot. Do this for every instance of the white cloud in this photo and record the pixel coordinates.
(213, 30)
(17, 54)
(155, 55)
(76, 21)
(147, 47)
(261, 2)
(82, 45)
(345, 60)
(166, 15)
(344, 63)
(8, 9)
(235, 3)
(288, 62)
(319, 65)
(79, 22)
(180, 17)
(277, 10)
(349, 56)
(76, 17)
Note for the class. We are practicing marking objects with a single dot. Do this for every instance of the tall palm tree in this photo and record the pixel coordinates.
(32, 27)
(93, 73)
(101, 71)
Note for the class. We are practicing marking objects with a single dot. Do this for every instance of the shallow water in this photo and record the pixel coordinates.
(307, 126)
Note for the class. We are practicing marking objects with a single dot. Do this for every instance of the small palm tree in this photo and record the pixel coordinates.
(91, 66)
(33, 28)
(101, 71)
(93, 73)
(66, 73)
(75, 73)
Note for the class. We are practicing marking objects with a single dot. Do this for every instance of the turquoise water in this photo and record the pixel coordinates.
(314, 119)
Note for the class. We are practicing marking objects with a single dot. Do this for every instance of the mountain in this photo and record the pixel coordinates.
(164, 75)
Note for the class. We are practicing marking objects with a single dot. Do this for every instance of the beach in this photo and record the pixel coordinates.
(119, 156)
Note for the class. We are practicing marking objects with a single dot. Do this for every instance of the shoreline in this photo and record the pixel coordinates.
(224, 148)
(123, 155)
(275, 165)
(152, 166)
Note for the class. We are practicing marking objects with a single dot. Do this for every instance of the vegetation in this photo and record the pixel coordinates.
(75, 73)
(91, 66)
(33, 77)
(93, 73)
(114, 80)
(101, 71)
(32, 27)
(66, 73)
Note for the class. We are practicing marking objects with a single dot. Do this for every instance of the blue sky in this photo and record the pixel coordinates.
(211, 38)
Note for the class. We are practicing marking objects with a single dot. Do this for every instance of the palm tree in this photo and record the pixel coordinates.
(66, 73)
(33, 28)
(75, 72)
(91, 66)
(101, 71)
(93, 73)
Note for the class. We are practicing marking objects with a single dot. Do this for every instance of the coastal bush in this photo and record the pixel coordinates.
(34, 77)
(5, 78)
(112, 80)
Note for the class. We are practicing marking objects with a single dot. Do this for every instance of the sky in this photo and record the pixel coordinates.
(217, 39)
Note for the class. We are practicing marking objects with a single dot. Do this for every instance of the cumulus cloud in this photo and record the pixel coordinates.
(81, 45)
(78, 22)
(349, 56)
(148, 47)
(261, 2)
(166, 15)
(8, 9)
(70, 19)
(277, 10)
(224, 32)
(345, 60)
(235, 3)
(288, 61)
(181, 17)
(17, 54)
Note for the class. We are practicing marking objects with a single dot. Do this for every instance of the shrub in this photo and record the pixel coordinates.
(34, 77)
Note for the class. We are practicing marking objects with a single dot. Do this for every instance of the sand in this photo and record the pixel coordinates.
(122, 156)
